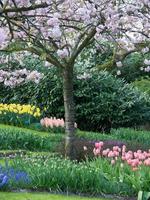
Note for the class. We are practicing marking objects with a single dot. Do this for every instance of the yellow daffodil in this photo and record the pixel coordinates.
(20, 109)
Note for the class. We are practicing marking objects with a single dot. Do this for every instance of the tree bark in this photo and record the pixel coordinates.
(69, 111)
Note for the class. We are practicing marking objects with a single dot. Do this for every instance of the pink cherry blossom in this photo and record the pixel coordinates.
(3, 37)
(63, 53)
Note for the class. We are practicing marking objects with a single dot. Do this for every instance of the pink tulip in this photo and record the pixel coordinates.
(129, 162)
(111, 154)
(139, 151)
(134, 162)
(123, 148)
(116, 148)
(116, 153)
(101, 143)
(52, 122)
(133, 159)
(141, 157)
(147, 162)
(123, 158)
(128, 156)
(97, 145)
(105, 152)
(96, 151)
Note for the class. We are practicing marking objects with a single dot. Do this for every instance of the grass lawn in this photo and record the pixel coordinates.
(41, 196)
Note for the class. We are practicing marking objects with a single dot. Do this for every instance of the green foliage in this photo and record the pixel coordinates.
(20, 120)
(25, 139)
(143, 85)
(19, 115)
(23, 93)
(104, 58)
(45, 196)
(49, 96)
(132, 135)
(133, 138)
(94, 57)
(104, 102)
(94, 177)
(96, 98)
(142, 195)
(131, 69)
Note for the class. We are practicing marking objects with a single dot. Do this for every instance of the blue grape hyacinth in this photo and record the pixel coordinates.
(3, 180)
(10, 177)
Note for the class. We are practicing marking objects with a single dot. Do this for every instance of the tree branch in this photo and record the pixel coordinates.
(85, 42)
(20, 9)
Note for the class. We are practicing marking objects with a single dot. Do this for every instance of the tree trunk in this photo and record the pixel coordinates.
(69, 111)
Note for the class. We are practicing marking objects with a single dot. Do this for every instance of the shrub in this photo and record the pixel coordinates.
(104, 102)
(143, 85)
(131, 69)
(97, 96)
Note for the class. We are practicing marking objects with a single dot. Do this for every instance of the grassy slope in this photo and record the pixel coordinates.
(140, 139)
(125, 134)
(24, 133)
(41, 196)
(23, 130)
(131, 136)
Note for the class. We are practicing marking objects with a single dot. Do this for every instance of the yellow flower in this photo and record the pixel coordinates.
(20, 109)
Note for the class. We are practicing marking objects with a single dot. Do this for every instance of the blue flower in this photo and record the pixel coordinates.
(9, 176)
(21, 177)
(3, 180)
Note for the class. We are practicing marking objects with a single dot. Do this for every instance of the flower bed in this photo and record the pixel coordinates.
(17, 114)
(135, 159)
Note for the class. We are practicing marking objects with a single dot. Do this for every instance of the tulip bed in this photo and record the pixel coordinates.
(135, 159)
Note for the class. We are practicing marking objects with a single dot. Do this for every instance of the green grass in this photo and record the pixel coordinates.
(137, 138)
(23, 130)
(27, 139)
(33, 140)
(41, 196)
(94, 135)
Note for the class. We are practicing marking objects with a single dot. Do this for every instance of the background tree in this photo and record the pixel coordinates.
(58, 31)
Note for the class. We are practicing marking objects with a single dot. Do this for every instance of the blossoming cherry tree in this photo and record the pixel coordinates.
(58, 30)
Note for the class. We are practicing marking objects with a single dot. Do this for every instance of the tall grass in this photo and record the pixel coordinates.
(25, 139)
(95, 177)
